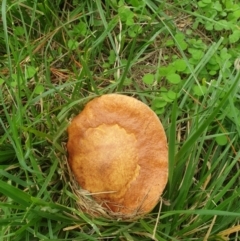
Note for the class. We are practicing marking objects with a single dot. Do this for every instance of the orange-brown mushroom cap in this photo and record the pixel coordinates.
(118, 151)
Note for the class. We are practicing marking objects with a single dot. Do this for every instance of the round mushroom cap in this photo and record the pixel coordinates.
(118, 151)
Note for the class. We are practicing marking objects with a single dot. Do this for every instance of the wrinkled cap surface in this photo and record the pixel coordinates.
(118, 151)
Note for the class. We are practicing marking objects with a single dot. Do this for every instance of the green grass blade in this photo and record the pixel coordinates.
(192, 139)
(172, 147)
(15, 194)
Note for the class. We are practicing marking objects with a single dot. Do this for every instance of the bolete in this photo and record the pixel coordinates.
(117, 150)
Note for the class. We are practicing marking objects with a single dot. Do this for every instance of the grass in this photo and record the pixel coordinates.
(173, 56)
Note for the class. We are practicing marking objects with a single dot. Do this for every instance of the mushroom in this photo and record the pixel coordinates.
(117, 150)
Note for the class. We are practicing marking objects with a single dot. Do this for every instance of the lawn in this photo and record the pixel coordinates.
(181, 58)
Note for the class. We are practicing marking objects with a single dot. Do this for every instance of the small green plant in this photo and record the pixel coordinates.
(220, 16)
